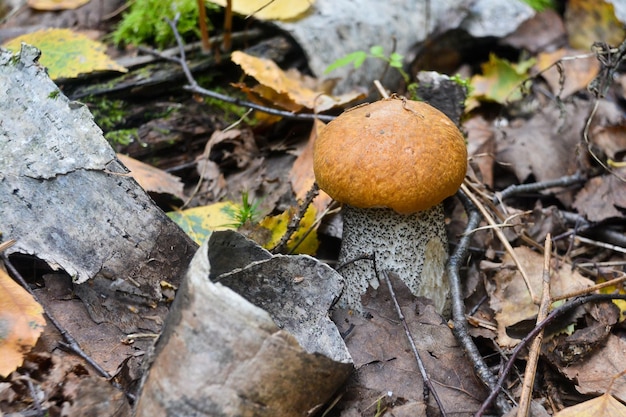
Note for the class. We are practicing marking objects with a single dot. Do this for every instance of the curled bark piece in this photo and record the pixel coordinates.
(222, 355)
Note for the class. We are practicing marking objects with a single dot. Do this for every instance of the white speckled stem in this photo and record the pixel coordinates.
(413, 246)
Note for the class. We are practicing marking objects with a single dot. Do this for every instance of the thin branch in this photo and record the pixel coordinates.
(195, 88)
(505, 242)
(523, 409)
(459, 318)
(295, 220)
(204, 31)
(534, 187)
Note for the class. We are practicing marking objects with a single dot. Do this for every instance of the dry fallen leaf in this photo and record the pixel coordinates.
(603, 406)
(21, 323)
(574, 73)
(289, 90)
(301, 175)
(500, 81)
(511, 300)
(594, 374)
(602, 197)
(589, 21)
(481, 147)
(269, 10)
(545, 146)
(153, 179)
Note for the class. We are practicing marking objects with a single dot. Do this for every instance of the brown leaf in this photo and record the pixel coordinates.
(386, 369)
(595, 374)
(291, 85)
(602, 197)
(545, 146)
(481, 147)
(153, 179)
(301, 175)
(572, 75)
(511, 300)
(538, 33)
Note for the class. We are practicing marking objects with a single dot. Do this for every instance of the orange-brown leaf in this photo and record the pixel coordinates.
(603, 406)
(21, 323)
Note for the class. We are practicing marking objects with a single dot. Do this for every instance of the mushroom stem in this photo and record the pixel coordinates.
(413, 246)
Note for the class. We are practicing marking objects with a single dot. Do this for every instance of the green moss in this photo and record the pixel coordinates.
(230, 109)
(107, 113)
(145, 22)
(122, 137)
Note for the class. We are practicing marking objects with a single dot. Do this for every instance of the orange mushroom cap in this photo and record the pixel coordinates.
(401, 154)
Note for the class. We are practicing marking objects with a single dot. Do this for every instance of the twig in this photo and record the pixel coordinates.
(591, 289)
(556, 313)
(295, 220)
(600, 244)
(420, 364)
(381, 90)
(589, 144)
(513, 190)
(228, 26)
(503, 240)
(71, 343)
(459, 319)
(523, 409)
(204, 31)
(195, 88)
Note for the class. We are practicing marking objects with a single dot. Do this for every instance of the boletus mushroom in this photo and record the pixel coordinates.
(392, 163)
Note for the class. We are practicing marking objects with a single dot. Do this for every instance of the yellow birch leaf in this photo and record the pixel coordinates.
(66, 54)
(21, 324)
(269, 10)
(199, 222)
(277, 225)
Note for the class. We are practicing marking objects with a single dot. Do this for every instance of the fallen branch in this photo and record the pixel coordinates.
(460, 327)
(195, 88)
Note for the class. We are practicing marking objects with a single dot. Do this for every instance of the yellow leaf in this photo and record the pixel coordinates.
(589, 21)
(288, 90)
(66, 54)
(199, 222)
(269, 10)
(56, 4)
(277, 225)
(603, 406)
(501, 80)
(21, 323)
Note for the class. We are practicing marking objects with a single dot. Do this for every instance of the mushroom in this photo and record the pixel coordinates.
(392, 163)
